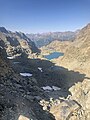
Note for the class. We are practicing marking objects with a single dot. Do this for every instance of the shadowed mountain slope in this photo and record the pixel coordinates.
(16, 43)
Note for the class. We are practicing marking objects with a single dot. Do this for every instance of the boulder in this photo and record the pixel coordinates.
(21, 117)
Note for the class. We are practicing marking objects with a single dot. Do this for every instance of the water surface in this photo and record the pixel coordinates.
(54, 55)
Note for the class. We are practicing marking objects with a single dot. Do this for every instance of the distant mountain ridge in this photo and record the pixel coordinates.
(45, 38)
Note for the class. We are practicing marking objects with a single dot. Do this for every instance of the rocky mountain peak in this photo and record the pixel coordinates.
(3, 30)
(88, 25)
(21, 35)
(86, 28)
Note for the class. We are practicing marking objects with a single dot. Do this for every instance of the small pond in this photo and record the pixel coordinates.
(54, 55)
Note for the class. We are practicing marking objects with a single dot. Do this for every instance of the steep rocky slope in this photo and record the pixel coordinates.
(77, 58)
(19, 96)
(77, 55)
(16, 43)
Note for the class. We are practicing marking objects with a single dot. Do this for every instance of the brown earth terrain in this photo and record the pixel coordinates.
(55, 46)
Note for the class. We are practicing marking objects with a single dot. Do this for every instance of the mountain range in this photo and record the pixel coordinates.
(46, 38)
(40, 89)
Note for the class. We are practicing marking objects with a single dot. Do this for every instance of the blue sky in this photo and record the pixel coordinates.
(32, 16)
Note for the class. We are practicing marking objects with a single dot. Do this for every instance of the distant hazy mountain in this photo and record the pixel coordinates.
(45, 38)
(16, 42)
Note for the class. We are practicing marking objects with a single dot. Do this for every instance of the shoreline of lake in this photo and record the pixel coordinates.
(53, 55)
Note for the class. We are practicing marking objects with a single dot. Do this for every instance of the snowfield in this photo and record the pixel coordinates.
(11, 57)
(53, 88)
(26, 74)
(40, 69)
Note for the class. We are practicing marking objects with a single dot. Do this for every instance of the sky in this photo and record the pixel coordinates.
(38, 16)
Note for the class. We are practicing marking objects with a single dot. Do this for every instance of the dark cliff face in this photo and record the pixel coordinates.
(17, 42)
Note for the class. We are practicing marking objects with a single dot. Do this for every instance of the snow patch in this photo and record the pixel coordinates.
(16, 62)
(11, 57)
(47, 88)
(56, 88)
(53, 88)
(40, 69)
(26, 74)
(1, 47)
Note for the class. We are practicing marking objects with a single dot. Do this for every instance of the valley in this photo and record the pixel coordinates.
(33, 87)
(55, 46)
(44, 39)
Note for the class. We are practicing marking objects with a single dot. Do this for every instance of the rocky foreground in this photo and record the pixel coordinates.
(19, 96)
